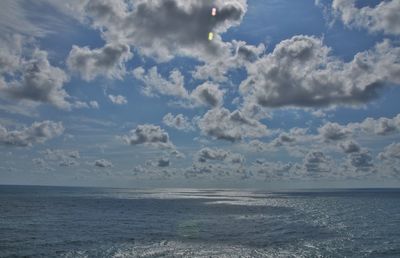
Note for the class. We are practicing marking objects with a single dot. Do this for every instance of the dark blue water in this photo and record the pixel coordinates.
(99, 222)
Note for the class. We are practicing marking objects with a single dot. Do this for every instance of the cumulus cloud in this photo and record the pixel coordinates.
(154, 84)
(207, 94)
(155, 27)
(222, 124)
(57, 154)
(163, 162)
(118, 99)
(294, 136)
(333, 132)
(94, 104)
(301, 72)
(391, 152)
(39, 81)
(38, 132)
(384, 17)
(108, 61)
(39, 162)
(209, 154)
(103, 163)
(212, 154)
(217, 68)
(379, 126)
(350, 146)
(277, 170)
(150, 135)
(65, 158)
(315, 163)
(179, 122)
(361, 160)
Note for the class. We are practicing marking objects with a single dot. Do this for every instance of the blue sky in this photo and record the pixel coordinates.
(132, 94)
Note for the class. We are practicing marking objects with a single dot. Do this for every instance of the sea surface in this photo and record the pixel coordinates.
(101, 222)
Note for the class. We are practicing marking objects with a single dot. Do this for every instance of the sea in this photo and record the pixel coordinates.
(38, 221)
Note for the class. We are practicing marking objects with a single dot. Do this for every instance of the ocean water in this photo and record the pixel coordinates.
(100, 222)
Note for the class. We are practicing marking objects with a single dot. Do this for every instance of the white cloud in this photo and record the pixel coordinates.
(222, 124)
(38, 132)
(150, 135)
(16, 18)
(391, 152)
(212, 154)
(384, 17)
(207, 94)
(217, 68)
(361, 160)
(294, 136)
(301, 72)
(108, 61)
(163, 162)
(350, 146)
(379, 126)
(39, 82)
(154, 84)
(276, 170)
(118, 99)
(179, 122)
(315, 163)
(103, 163)
(57, 154)
(333, 132)
(94, 104)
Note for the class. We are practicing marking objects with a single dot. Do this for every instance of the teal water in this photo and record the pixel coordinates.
(101, 222)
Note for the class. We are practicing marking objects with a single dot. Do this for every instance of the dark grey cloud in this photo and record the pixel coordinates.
(108, 61)
(148, 134)
(163, 28)
(38, 132)
(301, 72)
(222, 124)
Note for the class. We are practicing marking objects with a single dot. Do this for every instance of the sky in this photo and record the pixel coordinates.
(132, 93)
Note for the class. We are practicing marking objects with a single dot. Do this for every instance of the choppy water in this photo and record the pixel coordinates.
(96, 222)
